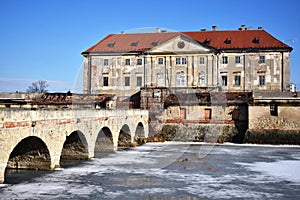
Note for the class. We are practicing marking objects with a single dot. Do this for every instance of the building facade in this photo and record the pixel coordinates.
(236, 60)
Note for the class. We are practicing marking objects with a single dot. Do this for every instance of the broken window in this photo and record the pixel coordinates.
(105, 81)
(274, 110)
(207, 113)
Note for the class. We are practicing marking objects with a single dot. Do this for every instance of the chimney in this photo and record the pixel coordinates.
(122, 32)
(158, 30)
(243, 27)
(260, 28)
(203, 29)
(250, 28)
(214, 28)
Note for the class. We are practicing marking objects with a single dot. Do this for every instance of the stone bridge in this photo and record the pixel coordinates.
(39, 139)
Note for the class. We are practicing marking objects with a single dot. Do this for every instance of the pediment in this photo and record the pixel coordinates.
(180, 44)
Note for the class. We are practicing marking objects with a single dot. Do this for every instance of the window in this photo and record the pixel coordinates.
(255, 40)
(154, 43)
(237, 59)
(183, 61)
(261, 80)
(157, 95)
(111, 45)
(139, 61)
(134, 44)
(127, 81)
(224, 80)
(224, 60)
(207, 113)
(227, 41)
(160, 79)
(160, 61)
(138, 81)
(201, 78)
(105, 81)
(261, 59)
(178, 61)
(180, 78)
(274, 110)
(105, 62)
(237, 80)
(127, 61)
(201, 60)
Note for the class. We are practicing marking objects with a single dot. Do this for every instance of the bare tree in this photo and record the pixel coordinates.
(38, 86)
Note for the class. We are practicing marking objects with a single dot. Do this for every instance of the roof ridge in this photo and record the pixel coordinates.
(94, 46)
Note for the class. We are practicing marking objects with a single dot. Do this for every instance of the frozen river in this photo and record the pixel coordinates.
(170, 170)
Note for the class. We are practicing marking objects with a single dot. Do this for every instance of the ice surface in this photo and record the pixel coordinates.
(236, 172)
(284, 169)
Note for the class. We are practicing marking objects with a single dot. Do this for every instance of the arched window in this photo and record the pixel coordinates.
(201, 81)
(180, 78)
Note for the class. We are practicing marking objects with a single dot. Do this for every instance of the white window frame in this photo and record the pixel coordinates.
(180, 79)
(201, 60)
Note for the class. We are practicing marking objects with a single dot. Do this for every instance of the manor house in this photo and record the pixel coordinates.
(243, 60)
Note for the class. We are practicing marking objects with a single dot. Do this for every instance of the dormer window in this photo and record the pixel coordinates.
(207, 41)
(154, 43)
(134, 44)
(111, 45)
(227, 41)
(255, 40)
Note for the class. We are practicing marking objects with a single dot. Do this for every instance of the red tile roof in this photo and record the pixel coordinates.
(125, 42)
(219, 40)
(239, 39)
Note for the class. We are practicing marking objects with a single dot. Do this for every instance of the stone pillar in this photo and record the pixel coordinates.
(115, 134)
(2, 171)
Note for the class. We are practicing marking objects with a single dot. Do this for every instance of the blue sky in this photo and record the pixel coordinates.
(43, 40)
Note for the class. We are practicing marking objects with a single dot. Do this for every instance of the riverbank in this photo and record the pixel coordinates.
(224, 133)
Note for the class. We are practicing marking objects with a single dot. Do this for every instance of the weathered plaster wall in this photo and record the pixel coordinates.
(288, 117)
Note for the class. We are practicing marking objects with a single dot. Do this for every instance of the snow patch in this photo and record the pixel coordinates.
(287, 170)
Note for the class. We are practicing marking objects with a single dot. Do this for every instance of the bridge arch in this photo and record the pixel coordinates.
(29, 145)
(124, 136)
(30, 153)
(104, 140)
(75, 147)
(139, 131)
